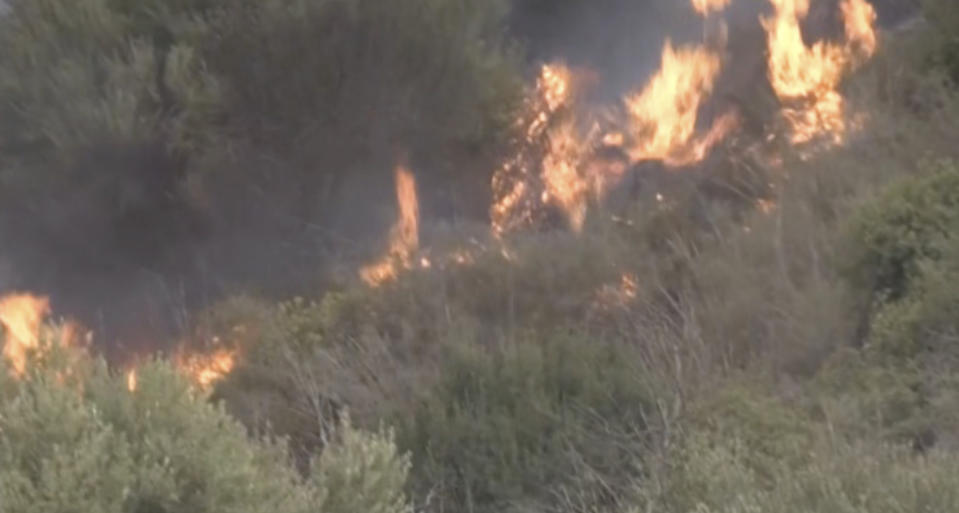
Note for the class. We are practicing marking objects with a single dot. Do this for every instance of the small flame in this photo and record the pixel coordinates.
(628, 286)
(806, 79)
(705, 6)
(404, 237)
(616, 296)
(664, 114)
(767, 206)
(207, 369)
(21, 316)
(132, 380)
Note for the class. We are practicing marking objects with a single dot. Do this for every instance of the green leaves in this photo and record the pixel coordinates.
(87, 443)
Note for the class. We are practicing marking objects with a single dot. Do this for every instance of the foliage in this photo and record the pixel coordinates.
(74, 438)
(712, 477)
(513, 425)
(362, 472)
(893, 236)
(943, 52)
(133, 131)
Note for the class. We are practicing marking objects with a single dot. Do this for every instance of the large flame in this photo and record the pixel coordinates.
(404, 237)
(544, 166)
(22, 316)
(562, 179)
(805, 78)
(663, 115)
(555, 162)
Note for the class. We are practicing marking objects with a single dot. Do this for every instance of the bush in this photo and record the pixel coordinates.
(748, 451)
(712, 477)
(74, 438)
(943, 54)
(894, 235)
(514, 426)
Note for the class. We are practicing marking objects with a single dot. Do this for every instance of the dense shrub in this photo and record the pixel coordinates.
(74, 438)
(712, 477)
(943, 52)
(530, 423)
(894, 235)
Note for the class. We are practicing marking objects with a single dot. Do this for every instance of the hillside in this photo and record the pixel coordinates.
(456, 255)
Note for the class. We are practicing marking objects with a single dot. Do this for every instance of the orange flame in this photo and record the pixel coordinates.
(132, 380)
(561, 174)
(611, 296)
(206, 370)
(859, 18)
(705, 6)
(663, 115)
(806, 79)
(404, 237)
(21, 316)
(513, 183)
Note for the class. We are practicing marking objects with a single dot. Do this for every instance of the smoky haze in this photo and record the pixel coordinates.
(131, 246)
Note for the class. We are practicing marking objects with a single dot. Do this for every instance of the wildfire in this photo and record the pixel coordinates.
(205, 369)
(543, 166)
(564, 185)
(859, 18)
(619, 295)
(556, 161)
(663, 115)
(22, 316)
(705, 6)
(404, 237)
(132, 380)
(806, 79)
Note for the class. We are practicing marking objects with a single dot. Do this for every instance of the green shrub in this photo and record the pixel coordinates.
(748, 451)
(362, 472)
(712, 477)
(868, 398)
(774, 432)
(943, 16)
(515, 425)
(894, 235)
(74, 438)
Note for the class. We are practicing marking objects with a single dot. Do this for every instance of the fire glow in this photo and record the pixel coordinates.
(24, 318)
(554, 164)
(404, 237)
(806, 79)
(663, 115)
(704, 7)
(206, 369)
